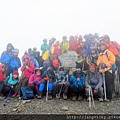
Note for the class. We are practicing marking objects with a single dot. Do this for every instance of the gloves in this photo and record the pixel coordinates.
(103, 65)
(36, 82)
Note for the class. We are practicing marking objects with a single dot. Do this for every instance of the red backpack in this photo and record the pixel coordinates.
(55, 63)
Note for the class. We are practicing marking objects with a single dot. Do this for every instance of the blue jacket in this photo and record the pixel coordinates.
(73, 80)
(5, 57)
(49, 72)
(15, 63)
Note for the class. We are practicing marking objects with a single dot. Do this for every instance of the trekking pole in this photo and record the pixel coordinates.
(47, 90)
(7, 97)
(89, 98)
(104, 84)
(60, 90)
(92, 97)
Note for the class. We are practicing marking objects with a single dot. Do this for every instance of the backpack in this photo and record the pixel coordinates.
(114, 67)
(27, 93)
(55, 63)
(115, 46)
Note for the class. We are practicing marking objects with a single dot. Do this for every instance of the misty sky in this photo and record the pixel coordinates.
(25, 23)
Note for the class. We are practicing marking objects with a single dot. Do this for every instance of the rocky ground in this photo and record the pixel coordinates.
(59, 106)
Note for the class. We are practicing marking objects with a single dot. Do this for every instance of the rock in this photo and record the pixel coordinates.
(108, 105)
(26, 101)
(64, 108)
(14, 109)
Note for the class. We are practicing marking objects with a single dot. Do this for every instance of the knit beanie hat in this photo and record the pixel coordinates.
(16, 73)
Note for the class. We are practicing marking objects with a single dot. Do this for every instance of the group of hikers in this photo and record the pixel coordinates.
(44, 74)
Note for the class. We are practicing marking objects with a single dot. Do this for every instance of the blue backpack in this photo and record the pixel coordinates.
(27, 93)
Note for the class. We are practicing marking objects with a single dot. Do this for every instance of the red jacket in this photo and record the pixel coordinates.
(33, 78)
(2, 74)
(29, 71)
(112, 47)
(73, 45)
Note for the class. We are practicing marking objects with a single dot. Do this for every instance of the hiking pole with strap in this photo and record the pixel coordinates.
(47, 90)
(89, 98)
(7, 97)
(104, 83)
(92, 97)
(60, 90)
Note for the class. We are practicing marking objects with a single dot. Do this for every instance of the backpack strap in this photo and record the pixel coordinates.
(115, 45)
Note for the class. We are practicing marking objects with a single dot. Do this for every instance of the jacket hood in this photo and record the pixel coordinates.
(10, 45)
(27, 56)
(61, 67)
(1, 65)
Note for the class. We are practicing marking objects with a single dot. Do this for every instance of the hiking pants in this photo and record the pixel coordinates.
(43, 87)
(1, 86)
(57, 87)
(108, 82)
(77, 91)
(99, 94)
(33, 87)
(23, 82)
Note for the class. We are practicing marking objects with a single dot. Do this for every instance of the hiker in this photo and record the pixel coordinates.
(105, 61)
(87, 44)
(77, 85)
(48, 75)
(6, 56)
(10, 83)
(33, 60)
(94, 55)
(27, 70)
(39, 59)
(57, 50)
(94, 79)
(15, 62)
(51, 47)
(80, 45)
(113, 46)
(50, 50)
(79, 60)
(2, 78)
(44, 46)
(55, 62)
(61, 85)
(96, 35)
(84, 65)
(64, 45)
(35, 80)
(73, 43)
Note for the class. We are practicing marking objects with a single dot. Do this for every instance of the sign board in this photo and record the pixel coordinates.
(68, 59)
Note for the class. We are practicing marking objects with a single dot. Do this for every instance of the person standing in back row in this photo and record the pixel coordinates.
(105, 61)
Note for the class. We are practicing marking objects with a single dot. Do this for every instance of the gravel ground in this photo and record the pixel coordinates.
(59, 106)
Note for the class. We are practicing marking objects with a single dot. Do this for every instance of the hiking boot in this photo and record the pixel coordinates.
(39, 96)
(80, 97)
(100, 99)
(64, 96)
(74, 98)
(14, 95)
(57, 96)
(18, 95)
(88, 98)
(2, 97)
(49, 97)
(107, 100)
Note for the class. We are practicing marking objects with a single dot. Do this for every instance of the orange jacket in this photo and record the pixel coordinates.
(109, 61)
(112, 47)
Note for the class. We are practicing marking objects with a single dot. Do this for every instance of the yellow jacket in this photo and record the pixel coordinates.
(109, 61)
(65, 46)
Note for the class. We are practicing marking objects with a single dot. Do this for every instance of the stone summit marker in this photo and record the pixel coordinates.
(68, 59)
